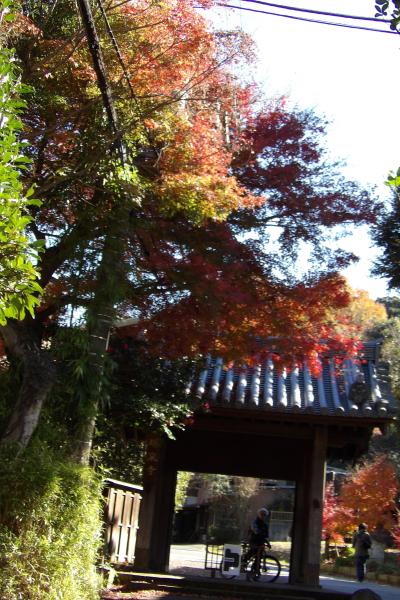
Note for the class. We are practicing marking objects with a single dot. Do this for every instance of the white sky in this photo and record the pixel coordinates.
(349, 76)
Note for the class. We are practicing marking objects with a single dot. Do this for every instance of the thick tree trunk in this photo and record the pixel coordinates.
(110, 282)
(97, 350)
(38, 377)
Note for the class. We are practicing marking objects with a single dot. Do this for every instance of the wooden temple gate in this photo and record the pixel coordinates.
(261, 424)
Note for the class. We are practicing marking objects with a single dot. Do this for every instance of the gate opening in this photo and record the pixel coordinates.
(213, 515)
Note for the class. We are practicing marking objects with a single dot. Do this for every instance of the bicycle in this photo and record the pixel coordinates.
(267, 571)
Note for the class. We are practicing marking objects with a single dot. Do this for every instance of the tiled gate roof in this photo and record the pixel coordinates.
(265, 387)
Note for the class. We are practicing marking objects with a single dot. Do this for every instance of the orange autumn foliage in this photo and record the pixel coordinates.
(178, 236)
(362, 314)
(332, 515)
(370, 496)
(213, 167)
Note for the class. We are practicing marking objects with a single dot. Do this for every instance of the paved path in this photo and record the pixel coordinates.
(189, 560)
(386, 592)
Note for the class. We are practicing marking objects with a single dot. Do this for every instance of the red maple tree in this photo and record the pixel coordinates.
(179, 235)
(333, 515)
(369, 495)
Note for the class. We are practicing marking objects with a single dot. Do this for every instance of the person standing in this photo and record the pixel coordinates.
(362, 544)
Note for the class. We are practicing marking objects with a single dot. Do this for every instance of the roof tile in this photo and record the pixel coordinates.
(265, 387)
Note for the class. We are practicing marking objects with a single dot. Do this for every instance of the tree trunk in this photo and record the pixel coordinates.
(38, 367)
(39, 372)
(326, 548)
(97, 349)
(110, 283)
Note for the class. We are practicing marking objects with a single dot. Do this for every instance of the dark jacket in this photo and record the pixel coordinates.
(361, 543)
(259, 532)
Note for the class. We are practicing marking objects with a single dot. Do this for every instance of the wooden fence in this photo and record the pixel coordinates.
(121, 518)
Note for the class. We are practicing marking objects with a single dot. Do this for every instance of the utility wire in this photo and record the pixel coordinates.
(296, 18)
(125, 73)
(117, 50)
(318, 12)
(101, 72)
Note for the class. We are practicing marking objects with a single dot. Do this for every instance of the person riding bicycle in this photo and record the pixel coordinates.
(259, 533)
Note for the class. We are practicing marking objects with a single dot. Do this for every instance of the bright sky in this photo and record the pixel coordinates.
(349, 76)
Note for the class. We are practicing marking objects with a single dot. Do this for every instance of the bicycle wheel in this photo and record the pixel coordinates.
(270, 568)
(225, 574)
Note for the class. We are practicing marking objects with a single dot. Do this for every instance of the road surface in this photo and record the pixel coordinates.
(190, 559)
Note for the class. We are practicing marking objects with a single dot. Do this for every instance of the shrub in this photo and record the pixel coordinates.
(225, 533)
(386, 569)
(348, 552)
(372, 565)
(50, 527)
(345, 561)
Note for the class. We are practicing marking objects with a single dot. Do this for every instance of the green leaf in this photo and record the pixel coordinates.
(18, 286)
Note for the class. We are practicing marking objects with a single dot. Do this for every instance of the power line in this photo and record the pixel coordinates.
(117, 50)
(318, 12)
(126, 75)
(296, 18)
(100, 70)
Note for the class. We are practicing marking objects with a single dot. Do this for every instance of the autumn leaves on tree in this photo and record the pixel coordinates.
(196, 232)
(370, 495)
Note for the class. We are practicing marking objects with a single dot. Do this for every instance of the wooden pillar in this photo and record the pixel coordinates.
(307, 530)
(316, 506)
(156, 513)
(299, 530)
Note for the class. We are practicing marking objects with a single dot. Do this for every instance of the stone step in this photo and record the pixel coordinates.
(220, 592)
(249, 591)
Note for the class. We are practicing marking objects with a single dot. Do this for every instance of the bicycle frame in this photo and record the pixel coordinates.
(257, 564)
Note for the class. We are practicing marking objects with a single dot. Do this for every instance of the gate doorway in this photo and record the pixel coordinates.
(290, 451)
(212, 510)
(257, 423)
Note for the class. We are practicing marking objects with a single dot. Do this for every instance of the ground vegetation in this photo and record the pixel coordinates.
(50, 525)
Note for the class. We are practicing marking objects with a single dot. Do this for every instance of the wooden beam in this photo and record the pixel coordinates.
(252, 426)
(352, 435)
(303, 415)
(237, 454)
